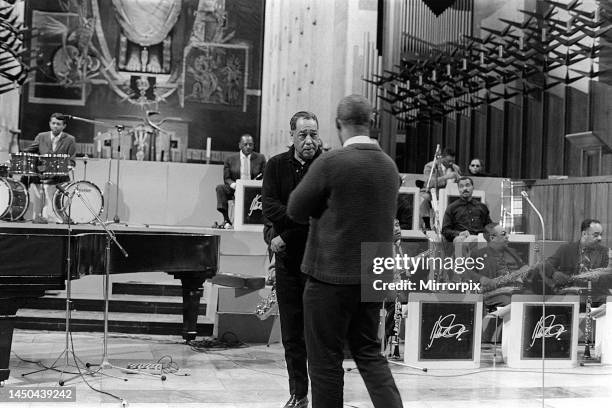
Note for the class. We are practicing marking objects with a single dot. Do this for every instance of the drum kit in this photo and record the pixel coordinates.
(15, 198)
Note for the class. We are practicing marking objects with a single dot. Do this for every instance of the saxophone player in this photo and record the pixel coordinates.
(575, 258)
(500, 262)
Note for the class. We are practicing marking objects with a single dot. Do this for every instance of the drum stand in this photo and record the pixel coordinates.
(85, 158)
(67, 353)
(110, 236)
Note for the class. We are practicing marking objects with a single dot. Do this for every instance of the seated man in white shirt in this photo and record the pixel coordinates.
(245, 165)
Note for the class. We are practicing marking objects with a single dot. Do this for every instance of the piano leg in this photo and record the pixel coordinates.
(192, 292)
(7, 323)
(8, 310)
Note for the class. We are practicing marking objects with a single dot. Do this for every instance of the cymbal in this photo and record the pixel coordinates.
(83, 158)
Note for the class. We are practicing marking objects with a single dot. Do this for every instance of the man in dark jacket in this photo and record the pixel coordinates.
(55, 141)
(282, 175)
(575, 258)
(350, 197)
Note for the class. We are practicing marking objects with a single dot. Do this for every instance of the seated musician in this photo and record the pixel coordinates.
(576, 259)
(442, 171)
(42, 189)
(246, 165)
(503, 266)
(465, 218)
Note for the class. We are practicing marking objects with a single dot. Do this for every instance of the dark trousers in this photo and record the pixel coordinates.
(333, 315)
(224, 194)
(289, 290)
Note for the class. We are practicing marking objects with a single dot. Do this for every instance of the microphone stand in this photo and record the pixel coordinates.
(542, 271)
(110, 237)
(67, 352)
(435, 225)
(120, 129)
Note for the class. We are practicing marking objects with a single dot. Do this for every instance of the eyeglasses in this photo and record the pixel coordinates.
(312, 133)
(474, 165)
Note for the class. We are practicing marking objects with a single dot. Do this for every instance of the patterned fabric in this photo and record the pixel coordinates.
(147, 22)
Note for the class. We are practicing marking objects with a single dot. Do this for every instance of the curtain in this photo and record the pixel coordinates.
(147, 22)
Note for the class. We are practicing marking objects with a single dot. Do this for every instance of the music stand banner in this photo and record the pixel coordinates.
(248, 209)
(443, 330)
(529, 324)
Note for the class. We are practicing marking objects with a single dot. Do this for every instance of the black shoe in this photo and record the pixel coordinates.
(295, 402)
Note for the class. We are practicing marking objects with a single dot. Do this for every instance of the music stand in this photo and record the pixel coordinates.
(67, 352)
(110, 237)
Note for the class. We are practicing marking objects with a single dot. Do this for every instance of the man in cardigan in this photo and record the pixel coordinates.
(55, 141)
(282, 175)
(350, 197)
(246, 165)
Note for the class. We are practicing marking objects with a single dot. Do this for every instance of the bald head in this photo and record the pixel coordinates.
(353, 117)
(354, 110)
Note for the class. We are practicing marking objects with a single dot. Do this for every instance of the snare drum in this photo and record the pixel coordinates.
(51, 165)
(25, 164)
(78, 206)
(14, 199)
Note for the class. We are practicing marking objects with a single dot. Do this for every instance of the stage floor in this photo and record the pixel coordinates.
(254, 376)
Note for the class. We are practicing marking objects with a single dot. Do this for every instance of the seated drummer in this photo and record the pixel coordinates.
(576, 258)
(499, 260)
(42, 189)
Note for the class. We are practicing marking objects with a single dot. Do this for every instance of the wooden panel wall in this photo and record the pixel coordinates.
(525, 138)
(494, 160)
(564, 204)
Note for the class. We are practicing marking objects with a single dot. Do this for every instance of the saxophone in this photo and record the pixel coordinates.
(268, 305)
(587, 324)
(393, 341)
(511, 277)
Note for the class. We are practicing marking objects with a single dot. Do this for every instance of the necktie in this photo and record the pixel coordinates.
(54, 140)
(245, 168)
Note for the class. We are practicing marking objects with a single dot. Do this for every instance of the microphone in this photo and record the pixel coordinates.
(68, 117)
(149, 113)
(532, 205)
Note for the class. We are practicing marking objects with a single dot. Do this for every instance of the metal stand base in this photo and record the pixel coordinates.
(63, 369)
(105, 364)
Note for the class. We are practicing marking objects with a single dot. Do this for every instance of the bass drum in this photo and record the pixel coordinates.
(81, 199)
(14, 199)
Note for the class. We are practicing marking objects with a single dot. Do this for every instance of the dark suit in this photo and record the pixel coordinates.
(283, 173)
(231, 173)
(44, 145)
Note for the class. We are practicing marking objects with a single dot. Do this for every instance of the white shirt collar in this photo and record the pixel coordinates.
(357, 139)
(244, 156)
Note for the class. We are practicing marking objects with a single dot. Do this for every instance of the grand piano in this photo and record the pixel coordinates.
(33, 259)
